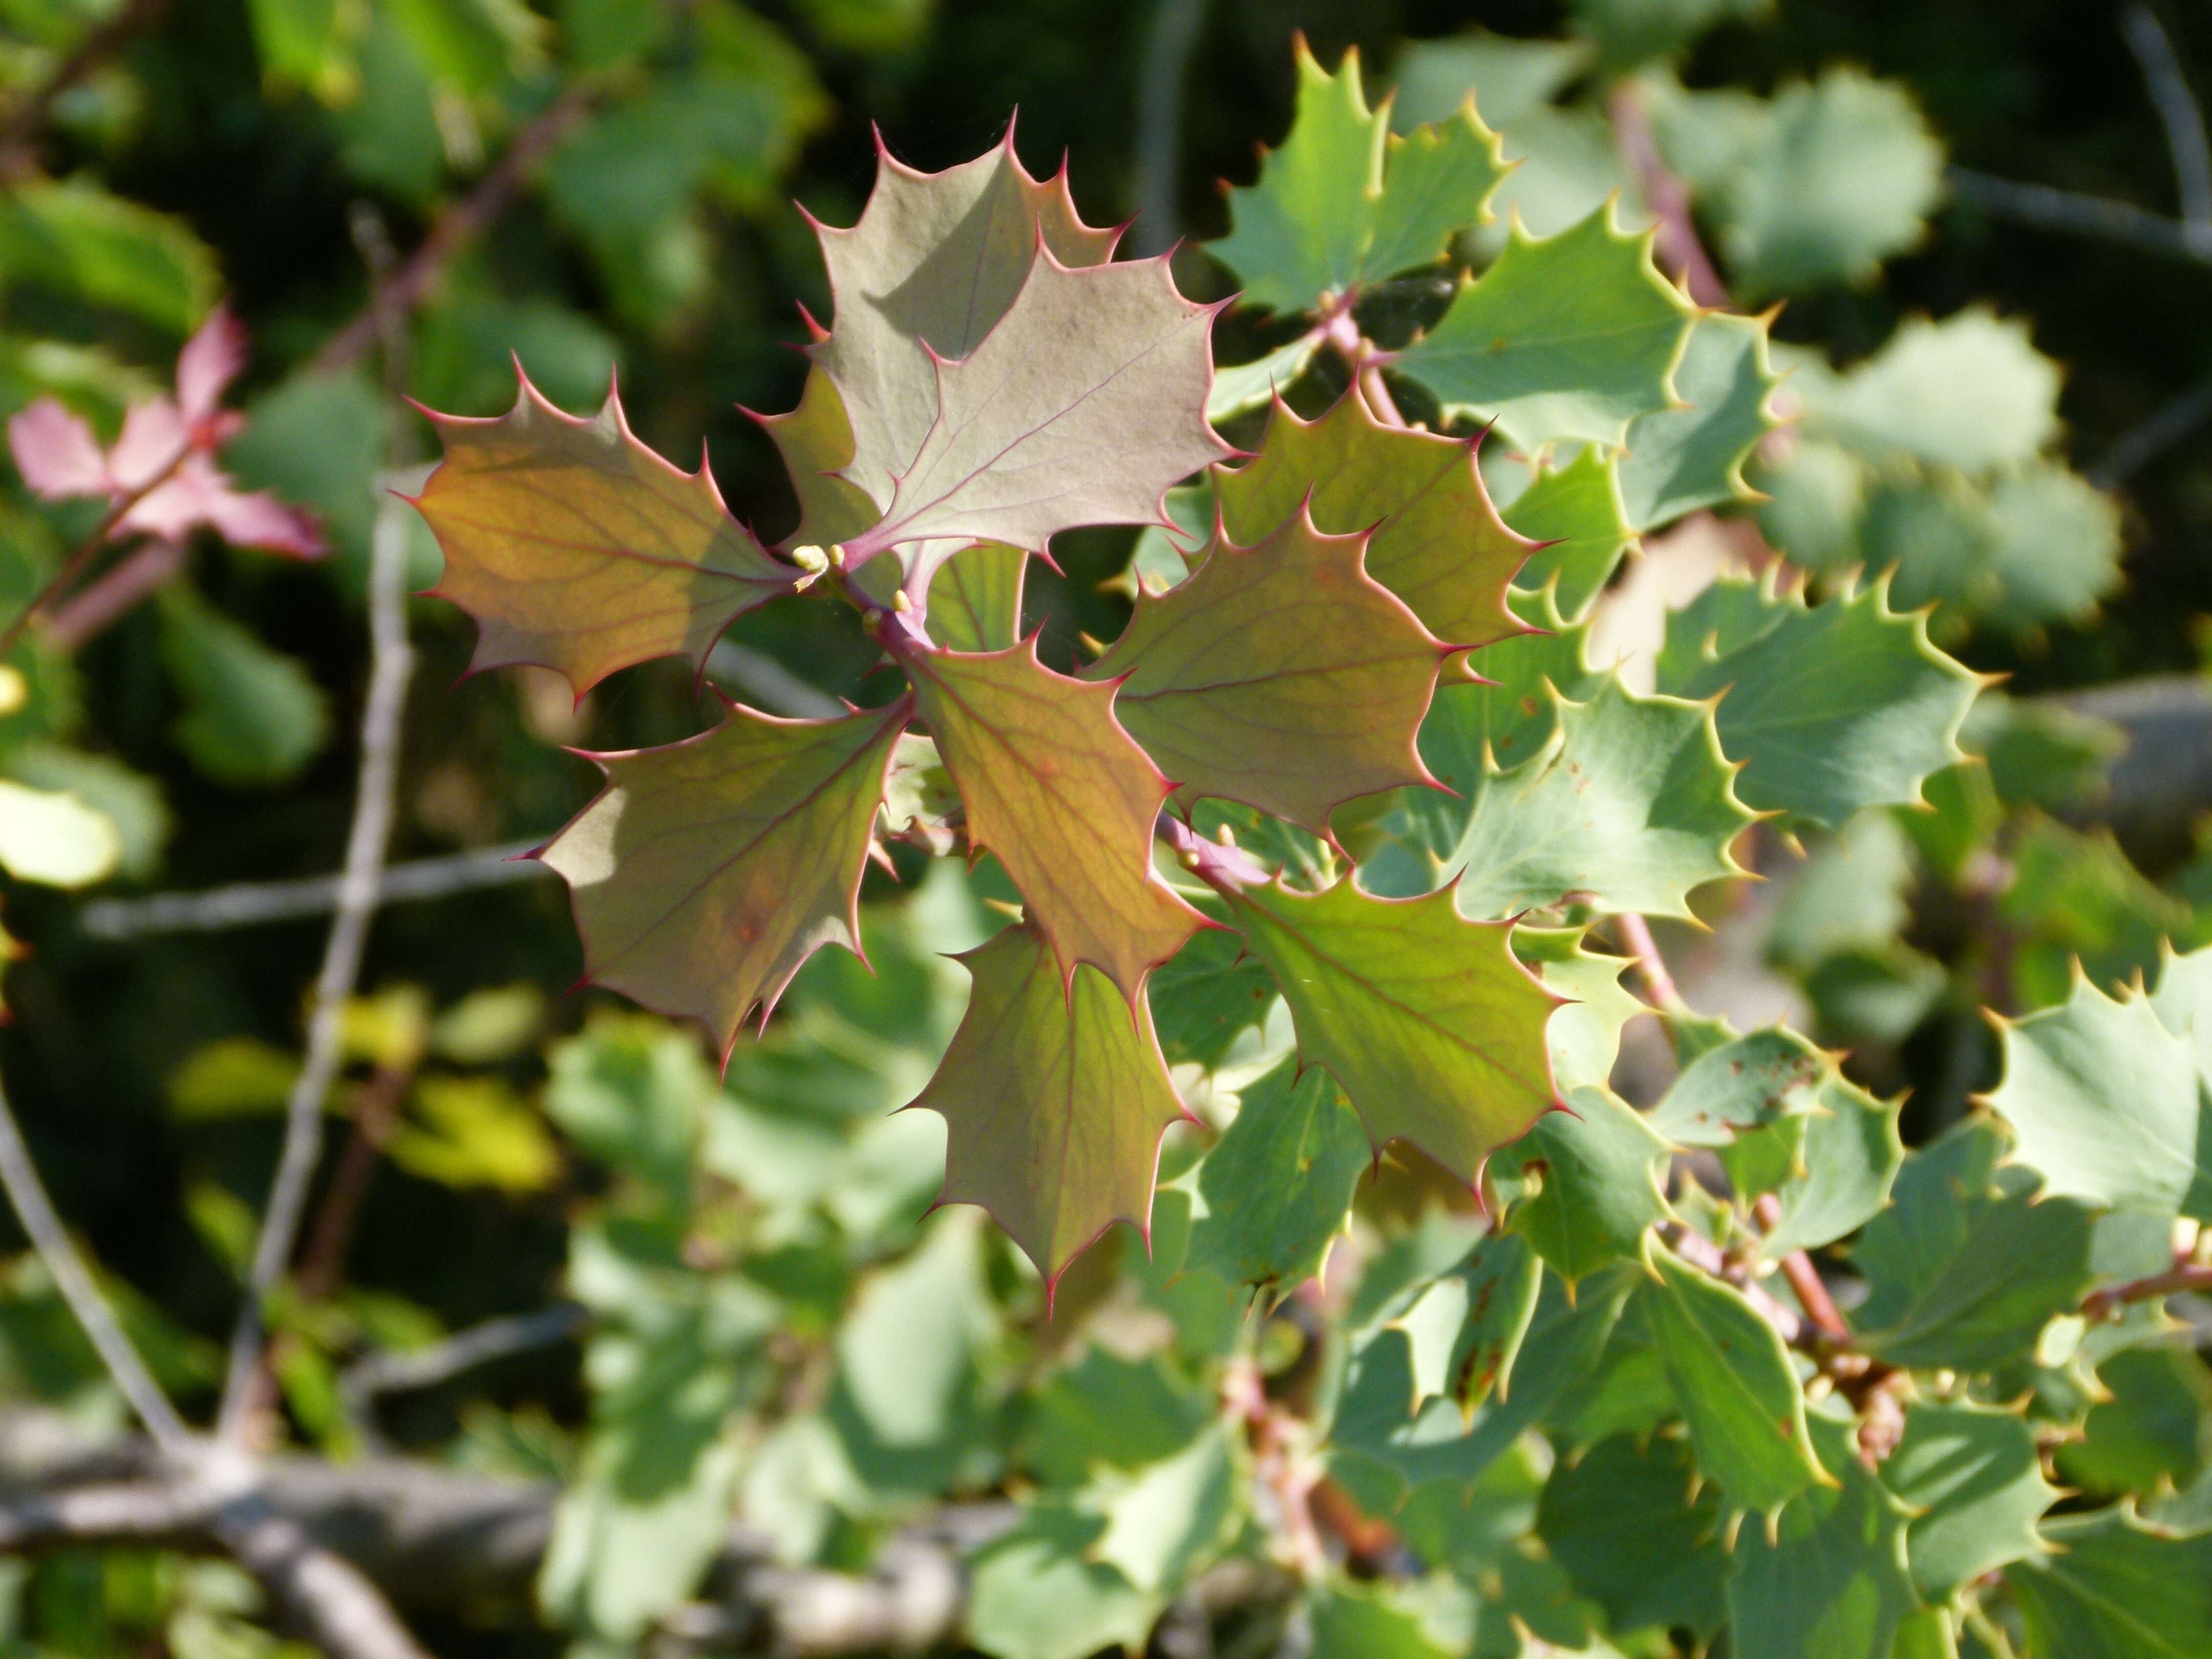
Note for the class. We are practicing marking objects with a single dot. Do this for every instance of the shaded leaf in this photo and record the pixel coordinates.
(1278, 1185)
(1280, 675)
(1680, 459)
(577, 548)
(1830, 708)
(1737, 1391)
(1640, 1533)
(1208, 995)
(707, 871)
(1569, 337)
(2114, 1587)
(1577, 511)
(1974, 1482)
(1590, 1180)
(1058, 790)
(1466, 1328)
(253, 718)
(1435, 541)
(1433, 1028)
(1055, 1097)
(975, 599)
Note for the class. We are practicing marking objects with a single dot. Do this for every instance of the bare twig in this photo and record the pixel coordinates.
(23, 123)
(2139, 446)
(1681, 255)
(769, 683)
(2178, 113)
(2083, 215)
(1159, 120)
(401, 290)
(365, 1380)
(390, 662)
(74, 1281)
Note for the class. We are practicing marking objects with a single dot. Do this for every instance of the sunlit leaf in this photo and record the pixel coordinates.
(576, 547)
(1639, 1533)
(707, 872)
(976, 597)
(1680, 459)
(1279, 1184)
(2114, 1587)
(1974, 1482)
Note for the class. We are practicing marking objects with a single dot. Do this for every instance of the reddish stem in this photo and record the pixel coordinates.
(1680, 254)
(96, 606)
(88, 549)
(1635, 934)
(1804, 1279)
(2188, 1276)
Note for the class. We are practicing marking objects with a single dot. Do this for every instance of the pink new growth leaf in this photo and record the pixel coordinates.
(165, 456)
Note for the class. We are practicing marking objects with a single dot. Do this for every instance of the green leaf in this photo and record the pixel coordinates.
(2078, 899)
(1362, 1621)
(1585, 1034)
(1066, 799)
(1970, 392)
(1831, 1583)
(815, 440)
(130, 801)
(1278, 1185)
(975, 599)
(1841, 174)
(1967, 1264)
(2106, 1099)
(2114, 1587)
(576, 547)
(1681, 459)
(707, 871)
(934, 265)
(1343, 202)
(1208, 995)
(1243, 387)
(1436, 542)
(1280, 675)
(1165, 1522)
(1434, 1030)
(253, 718)
(1842, 1173)
(1576, 512)
(1104, 1412)
(1640, 1533)
(1595, 1172)
(1055, 1097)
(1036, 1593)
(1738, 1393)
(1466, 1328)
(2151, 1433)
(1631, 31)
(472, 44)
(633, 1092)
(1568, 338)
(1741, 1086)
(79, 242)
(1082, 406)
(1629, 807)
(1506, 77)
(1830, 708)
(1973, 1480)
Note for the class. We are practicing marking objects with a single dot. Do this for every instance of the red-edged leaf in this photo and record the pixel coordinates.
(1437, 543)
(1082, 406)
(1053, 1097)
(1064, 796)
(1283, 676)
(707, 872)
(577, 548)
(1430, 1023)
(931, 266)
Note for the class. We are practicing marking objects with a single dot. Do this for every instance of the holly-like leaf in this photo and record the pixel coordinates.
(706, 872)
(1680, 459)
(1577, 513)
(1629, 807)
(935, 262)
(1570, 338)
(1055, 1097)
(1166, 1522)
(2114, 1587)
(1841, 1172)
(1974, 1481)
(1058, 790)
(816, 441)
(976, 597)
(1437, 542)
(1280, 675)
(1734, 1382)
(1433, 1028)
(1639, 1533)
(1256, 384)
(1740, 1086)
(1343, 202)
(1830, 708)
(1082, 406)
(1831, 1578)
(577, 548)
(1585, 1034)
(1584, 1183)
(1968, 1264)
(1208, 995)
(1279, 1184)
(1467, 1327)
(2107, 1100)
(1037, 1593)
